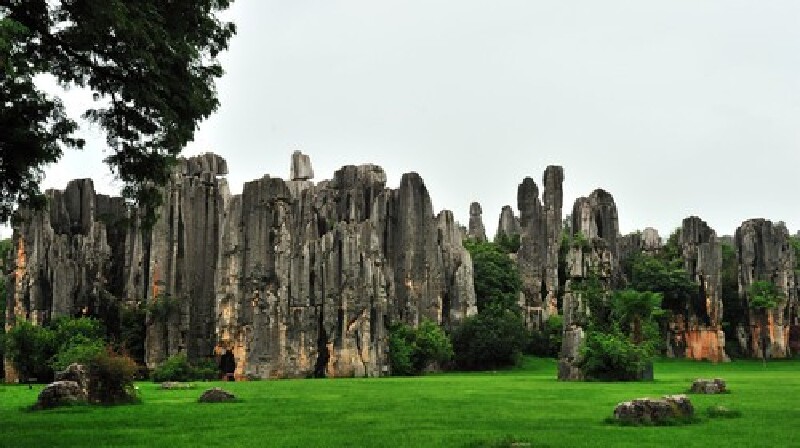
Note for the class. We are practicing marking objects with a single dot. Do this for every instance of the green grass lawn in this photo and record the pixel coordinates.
(524, 405)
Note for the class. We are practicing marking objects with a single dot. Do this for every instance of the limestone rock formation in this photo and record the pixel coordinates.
(476, 230)
(592, 253)
(649, 411)
(508, 224)
(704, 386)
(60, 393)
(540, 237)
(645, 242)
(695, 332)
(300, 168)
(294, 278)
(764, 253)
(74, 372)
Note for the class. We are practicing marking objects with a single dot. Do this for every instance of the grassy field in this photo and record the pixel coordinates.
(526, 405)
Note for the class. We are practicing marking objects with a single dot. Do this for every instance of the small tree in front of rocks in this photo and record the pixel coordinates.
(763, 297)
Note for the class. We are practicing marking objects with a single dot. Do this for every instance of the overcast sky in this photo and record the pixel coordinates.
(675, 107)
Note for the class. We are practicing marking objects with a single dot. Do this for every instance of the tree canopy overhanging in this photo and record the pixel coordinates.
(151, 65)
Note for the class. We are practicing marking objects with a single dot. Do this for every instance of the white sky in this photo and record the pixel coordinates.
(676, 107)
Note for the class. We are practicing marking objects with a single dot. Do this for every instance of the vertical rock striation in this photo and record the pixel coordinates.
(540, 237)
(292, 278)
(592, 254)
(764, 253)
(476, 229)
(696, 332)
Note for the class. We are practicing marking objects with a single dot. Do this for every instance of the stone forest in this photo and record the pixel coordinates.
(298, 278)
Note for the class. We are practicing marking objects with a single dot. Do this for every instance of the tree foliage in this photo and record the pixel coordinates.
(497, 281)
(493, 338)
(151, 65)
(622, 335)
(411, 350)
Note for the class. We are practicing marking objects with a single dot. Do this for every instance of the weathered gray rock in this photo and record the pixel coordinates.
(645, 242)
(74, 372)
(176, 385)
(508, 224)
(764, 253)
(704, 386)
(654, 411)
(476, 230)
(60, 393)
(695, 330)
(301, 167)
(593, 251)
(540, 236)
(216, 395)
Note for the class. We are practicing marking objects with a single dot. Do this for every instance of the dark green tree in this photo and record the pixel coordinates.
(497, 282)
(150, 63)
(412, 350)
(493, 338)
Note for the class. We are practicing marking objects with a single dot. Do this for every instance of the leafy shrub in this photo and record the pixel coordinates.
(163, 307)
(79, 349)
(612, 356)
(175, 368)
(111, 378)
(178, 368)
(30, 348)
(491, 339)
(546, 343)
(411, 351)
(205, 370)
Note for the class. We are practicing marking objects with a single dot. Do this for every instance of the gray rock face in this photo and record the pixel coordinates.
(704, 386)
(649, 411)
(76, 373)
(60, 393)
(508, 224)
(764, 253)
(300, 168)
(476, 230)
(540, 235)
(696, 331)
(593, 251)
(294, 278)
(181, 260)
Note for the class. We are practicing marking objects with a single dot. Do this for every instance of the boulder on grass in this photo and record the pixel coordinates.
(216, 395)
(60, 393)
(173, 385)
(704, 386)
(654, 411)
(74, 372)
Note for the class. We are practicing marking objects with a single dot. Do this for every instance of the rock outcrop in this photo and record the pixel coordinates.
(540, 237)
(293, 278)
(508, 223)
(764, 253)
(645, 242)
(60, 393)
(476, 229)
(652, 411)
(592, 254)
(695, 330)
(704, 386)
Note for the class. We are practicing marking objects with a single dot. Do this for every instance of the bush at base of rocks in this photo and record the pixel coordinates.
(672, 409)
